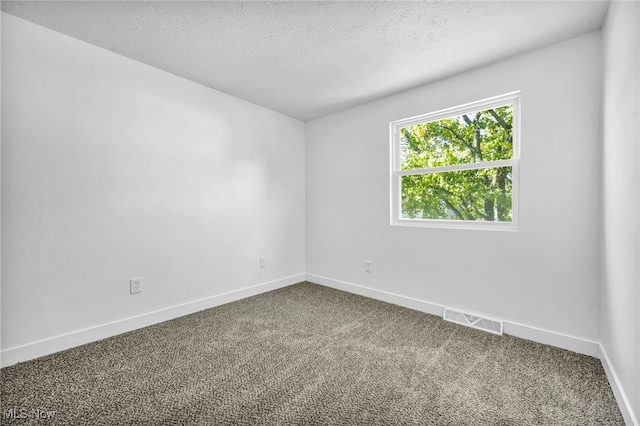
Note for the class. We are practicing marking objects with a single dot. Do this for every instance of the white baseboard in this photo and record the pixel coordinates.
(553, 338)
(623, 402)
(385, 296)
(61, 342)
(535, 334)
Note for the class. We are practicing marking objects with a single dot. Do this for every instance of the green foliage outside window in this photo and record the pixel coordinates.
(481, 194)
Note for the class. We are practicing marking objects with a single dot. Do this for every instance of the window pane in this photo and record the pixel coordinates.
(485, 135)
(474, 195)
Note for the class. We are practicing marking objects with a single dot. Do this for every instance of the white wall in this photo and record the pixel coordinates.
(112, 169)
(547, 274)
(620, 295)
(0, 193)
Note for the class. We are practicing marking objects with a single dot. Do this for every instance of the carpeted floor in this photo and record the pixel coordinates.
(309, 355)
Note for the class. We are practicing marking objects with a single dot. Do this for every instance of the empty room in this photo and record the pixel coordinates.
(320, 213)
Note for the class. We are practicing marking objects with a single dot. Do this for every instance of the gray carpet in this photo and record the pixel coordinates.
(310, 355)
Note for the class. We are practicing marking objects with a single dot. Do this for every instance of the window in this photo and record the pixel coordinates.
(457, 168)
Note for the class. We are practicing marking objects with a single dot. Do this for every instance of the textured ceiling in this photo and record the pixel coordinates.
(308, 59)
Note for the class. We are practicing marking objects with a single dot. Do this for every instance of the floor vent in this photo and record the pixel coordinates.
(475, 321)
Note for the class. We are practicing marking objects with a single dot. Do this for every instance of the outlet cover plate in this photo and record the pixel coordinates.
(135, 285)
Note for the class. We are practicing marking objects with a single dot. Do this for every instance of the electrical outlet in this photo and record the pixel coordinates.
(263, 262)
(367, 265)
(135, 285)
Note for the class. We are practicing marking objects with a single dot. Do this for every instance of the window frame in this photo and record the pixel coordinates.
(513, 99)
